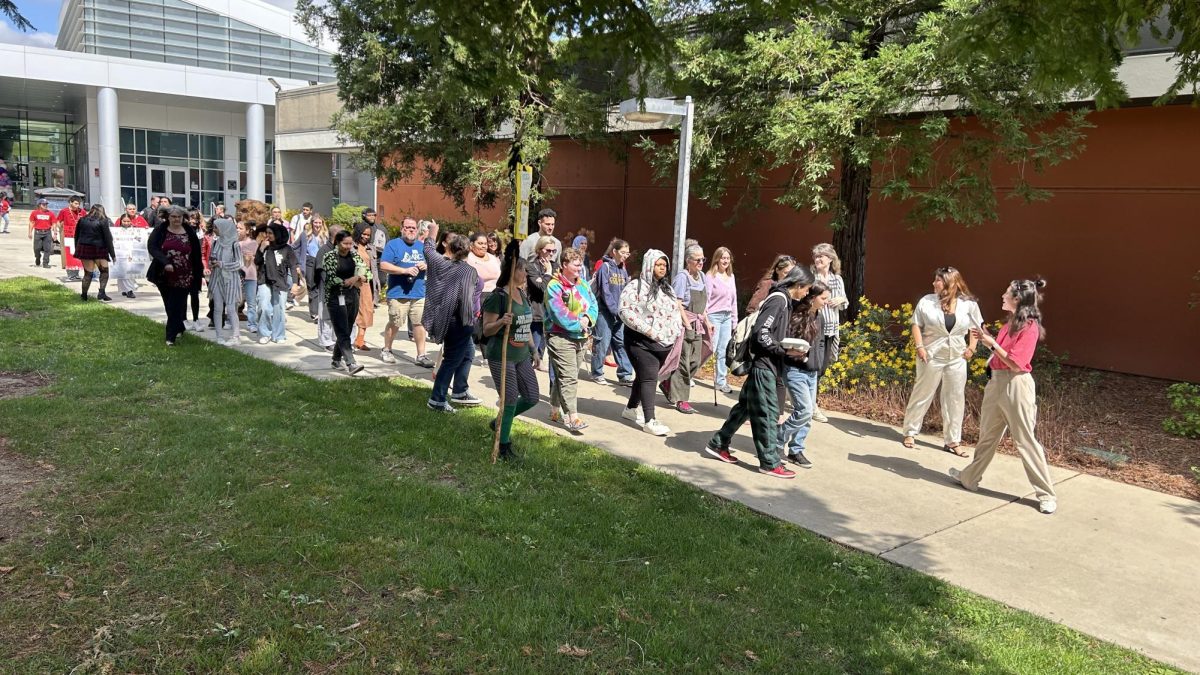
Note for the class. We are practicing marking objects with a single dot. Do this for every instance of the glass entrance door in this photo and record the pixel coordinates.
(169, 181)
(48, 175)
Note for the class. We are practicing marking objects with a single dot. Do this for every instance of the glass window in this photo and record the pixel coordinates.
(126, 140)
(172, 144)
(178, 182)
(215, 65)
(193, 145)
(140, 134)
(212, 147)
(130, 157)
(158, 181)
(210, 180)
(141, 175)
(128, 174)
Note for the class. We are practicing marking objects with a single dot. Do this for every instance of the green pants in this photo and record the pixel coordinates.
(759, 403)
(689, 365)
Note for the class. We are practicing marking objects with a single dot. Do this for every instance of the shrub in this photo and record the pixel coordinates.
(1185, 402)
(877, 351)
(346, 215)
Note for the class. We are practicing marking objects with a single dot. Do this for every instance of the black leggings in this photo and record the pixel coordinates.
(647, 357)
(196, 305)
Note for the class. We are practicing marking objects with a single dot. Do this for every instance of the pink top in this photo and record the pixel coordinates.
(249, 248)
(488, 268)
(722, 294)
(1020, 347)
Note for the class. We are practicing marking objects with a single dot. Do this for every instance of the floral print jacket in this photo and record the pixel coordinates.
(333, 282)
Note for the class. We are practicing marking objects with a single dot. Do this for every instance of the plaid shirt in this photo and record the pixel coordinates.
(831, 316)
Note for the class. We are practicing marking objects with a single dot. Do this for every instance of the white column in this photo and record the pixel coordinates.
(110, 147)
(256, 164)
(682, 183)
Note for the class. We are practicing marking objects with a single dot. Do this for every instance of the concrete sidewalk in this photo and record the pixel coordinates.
(1117, 562)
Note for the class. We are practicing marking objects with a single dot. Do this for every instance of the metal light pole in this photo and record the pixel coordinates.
(659, 110)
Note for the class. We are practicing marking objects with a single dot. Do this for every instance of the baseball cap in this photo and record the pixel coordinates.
(43, 202)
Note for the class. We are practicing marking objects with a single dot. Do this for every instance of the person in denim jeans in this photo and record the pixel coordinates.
(801, 373)
(276, 264)
(607, 284)
(722, 310)
(249, 237)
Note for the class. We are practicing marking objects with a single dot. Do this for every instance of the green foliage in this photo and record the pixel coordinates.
(9, 8)
(288, 214)
(346, 215)
(430, 86)
(1185, 404)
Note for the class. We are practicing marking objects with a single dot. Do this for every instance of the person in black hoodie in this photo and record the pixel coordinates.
(94, 248)
(800, 374)
(176, 267)
(275, 261)
(759, 399)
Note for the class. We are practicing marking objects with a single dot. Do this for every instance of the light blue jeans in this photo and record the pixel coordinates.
(610, 333)
(722, 323)
(802, 387)
(250, 293)
(271, 312)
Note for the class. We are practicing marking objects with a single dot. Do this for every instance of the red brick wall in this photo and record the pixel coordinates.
(1119, 242)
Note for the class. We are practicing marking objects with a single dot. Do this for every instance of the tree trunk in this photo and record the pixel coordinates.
(850, 237)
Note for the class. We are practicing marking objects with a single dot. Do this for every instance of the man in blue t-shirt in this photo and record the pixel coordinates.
(403, 261)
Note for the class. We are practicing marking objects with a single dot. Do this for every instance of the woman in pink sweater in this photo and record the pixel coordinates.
(722, 310)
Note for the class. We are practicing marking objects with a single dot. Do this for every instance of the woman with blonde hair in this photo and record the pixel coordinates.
(941, 330)
(316, 235)
(827, 269)
(722, 310)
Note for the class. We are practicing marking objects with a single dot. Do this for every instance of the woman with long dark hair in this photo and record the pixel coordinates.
(520, 380)
(778, 269)
(1010, 398)
(807, 322)
(609, 281)
(195, 220)
(343, 272)
(941, 331)
(176, 267)
(94, 248)
(653, 320)
(759, 398)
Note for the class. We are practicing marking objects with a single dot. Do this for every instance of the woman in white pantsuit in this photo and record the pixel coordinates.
(941, 329)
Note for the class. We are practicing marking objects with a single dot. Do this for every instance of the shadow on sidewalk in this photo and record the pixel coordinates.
(912, 470)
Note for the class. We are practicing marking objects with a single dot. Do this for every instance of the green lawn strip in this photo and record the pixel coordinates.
(214, 512)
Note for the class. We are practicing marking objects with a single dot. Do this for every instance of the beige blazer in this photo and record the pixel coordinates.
(940, 344)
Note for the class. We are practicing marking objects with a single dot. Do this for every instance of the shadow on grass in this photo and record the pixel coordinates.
(218, 512)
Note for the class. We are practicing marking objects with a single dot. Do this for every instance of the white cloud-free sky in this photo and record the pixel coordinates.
(43, 14)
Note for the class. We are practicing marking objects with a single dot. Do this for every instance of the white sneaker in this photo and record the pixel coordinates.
(264, 339)
(230, 342)
(634, 415)
(819, 416)
(386, 356)
(1047, 506)
(655, 427)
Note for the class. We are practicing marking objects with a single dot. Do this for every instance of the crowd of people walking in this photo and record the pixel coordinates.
(537, 305)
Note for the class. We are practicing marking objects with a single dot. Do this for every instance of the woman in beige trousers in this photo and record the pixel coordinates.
(941, 330)
(1010, 399)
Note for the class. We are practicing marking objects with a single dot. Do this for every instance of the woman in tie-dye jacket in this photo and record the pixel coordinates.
(570, 316)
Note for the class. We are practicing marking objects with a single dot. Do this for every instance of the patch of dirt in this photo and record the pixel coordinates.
(18, 477)
(10, 313)
(1080, 408)
(16, 385)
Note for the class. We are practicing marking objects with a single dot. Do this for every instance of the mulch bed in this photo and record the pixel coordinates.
(1082, 408)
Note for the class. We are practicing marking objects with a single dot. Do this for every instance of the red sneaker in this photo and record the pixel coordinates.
(778, 472)
(722, 454)
(685, 408)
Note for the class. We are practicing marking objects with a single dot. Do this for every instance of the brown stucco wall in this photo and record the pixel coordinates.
(1119, 242)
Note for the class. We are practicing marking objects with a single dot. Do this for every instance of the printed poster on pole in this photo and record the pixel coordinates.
(523, 185)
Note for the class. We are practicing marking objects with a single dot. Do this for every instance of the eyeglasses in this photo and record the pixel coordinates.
(699, 260)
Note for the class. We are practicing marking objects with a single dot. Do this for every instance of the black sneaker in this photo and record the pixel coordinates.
(103, 297)
(800, 460)
(336, 365)
(83, 297)
(506, 451)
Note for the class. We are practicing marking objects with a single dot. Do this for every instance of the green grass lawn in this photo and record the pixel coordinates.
(214, 512)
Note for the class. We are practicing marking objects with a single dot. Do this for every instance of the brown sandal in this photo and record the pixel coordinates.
(909, 442)
(956, 450)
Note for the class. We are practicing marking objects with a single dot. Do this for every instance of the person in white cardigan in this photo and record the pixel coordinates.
(941, 329)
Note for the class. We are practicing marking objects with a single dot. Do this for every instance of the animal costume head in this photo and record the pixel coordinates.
(252, 210)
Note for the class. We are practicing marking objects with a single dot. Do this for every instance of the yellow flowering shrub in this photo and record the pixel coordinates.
(877, 351)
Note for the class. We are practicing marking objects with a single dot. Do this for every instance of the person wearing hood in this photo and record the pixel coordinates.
(225, 278)
(580, 243)
(653, 320)
(275, 261)
(570, 318)
(453, 290)
(610, 279)
(175, 267)
(758, 401)
(94, 248)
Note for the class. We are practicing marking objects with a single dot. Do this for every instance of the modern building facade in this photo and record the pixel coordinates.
(149, 97)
